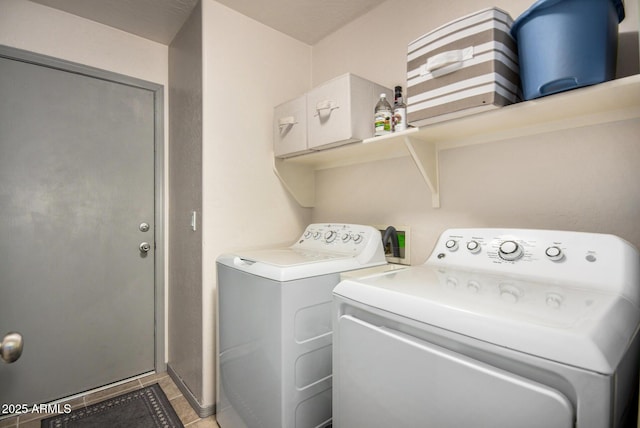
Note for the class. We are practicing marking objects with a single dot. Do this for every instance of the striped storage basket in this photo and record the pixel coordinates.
(464, 67)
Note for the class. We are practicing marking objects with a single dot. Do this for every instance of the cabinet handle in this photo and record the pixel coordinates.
(326, 105)
(446, 62)
(286, 122)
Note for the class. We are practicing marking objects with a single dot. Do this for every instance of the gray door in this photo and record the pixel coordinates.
(76, 182)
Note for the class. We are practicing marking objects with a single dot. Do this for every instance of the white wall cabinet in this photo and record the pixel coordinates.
(334, 113)
(340, 111)
(611, 101)
(290, 128)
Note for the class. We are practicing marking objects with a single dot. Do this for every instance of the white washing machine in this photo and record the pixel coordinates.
(275, 330)
(498, 329)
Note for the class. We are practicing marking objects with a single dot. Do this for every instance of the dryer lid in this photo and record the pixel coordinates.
(582, 327)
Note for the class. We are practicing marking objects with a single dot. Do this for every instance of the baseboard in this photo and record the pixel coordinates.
(203, 412)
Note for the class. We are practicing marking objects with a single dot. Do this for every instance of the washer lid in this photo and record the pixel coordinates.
(322, 249)
(289, 257)
(586, 328)
(290, 263)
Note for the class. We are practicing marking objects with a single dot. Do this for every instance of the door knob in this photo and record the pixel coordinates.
(145, 247)
(11, 347)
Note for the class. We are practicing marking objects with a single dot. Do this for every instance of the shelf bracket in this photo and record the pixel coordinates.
(425, 155)
(299, 180)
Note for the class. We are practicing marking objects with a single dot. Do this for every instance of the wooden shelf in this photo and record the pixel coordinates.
(611, 101)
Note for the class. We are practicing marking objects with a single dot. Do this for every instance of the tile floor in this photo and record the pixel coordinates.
(187, 415)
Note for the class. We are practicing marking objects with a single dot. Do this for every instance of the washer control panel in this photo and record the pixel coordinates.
(598, 261)
(340, 238)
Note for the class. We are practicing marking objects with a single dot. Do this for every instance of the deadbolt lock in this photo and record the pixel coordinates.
(144, 227)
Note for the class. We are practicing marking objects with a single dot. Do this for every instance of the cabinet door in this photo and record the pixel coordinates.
(329, 113)
(290, 128)
(385, 378)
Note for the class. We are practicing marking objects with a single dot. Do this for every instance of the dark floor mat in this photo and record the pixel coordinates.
(145, 408)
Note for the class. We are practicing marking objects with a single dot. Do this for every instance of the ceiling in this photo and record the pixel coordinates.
(160, 20)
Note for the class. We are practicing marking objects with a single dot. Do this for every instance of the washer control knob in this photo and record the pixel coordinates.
(317, 235)
(554, 253)
(346, 237)
(330, 236)
(510, 251)
(307, 234)
(451, 244)
(473, 247)
(357, 238)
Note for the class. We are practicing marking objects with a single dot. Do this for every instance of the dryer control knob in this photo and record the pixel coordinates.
(554, 253)
(510, 251)
(473, 247)
(451, 244)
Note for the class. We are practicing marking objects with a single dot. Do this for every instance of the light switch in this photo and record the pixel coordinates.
(194, 221)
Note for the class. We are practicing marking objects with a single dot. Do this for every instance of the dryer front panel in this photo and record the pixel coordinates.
(404, 381)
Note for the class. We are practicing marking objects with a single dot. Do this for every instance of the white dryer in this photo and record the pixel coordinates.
(498, 329)
(275, 330)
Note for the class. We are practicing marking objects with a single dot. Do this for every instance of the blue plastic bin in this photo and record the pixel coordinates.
(566, 44)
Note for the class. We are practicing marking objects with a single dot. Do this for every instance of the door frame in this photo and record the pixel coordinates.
(159, 171)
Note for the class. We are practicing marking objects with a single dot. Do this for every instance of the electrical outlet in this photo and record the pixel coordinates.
(404, 244)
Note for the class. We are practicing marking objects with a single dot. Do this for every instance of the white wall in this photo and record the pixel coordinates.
(48, 31)
(585, 179)
(248, 69)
